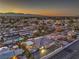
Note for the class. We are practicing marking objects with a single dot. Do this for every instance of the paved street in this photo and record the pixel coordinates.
(71, 52)
(75, 56)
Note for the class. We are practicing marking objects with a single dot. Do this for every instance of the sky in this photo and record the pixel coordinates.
(42, 7)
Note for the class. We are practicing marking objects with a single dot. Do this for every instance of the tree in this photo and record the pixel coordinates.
(26, 52)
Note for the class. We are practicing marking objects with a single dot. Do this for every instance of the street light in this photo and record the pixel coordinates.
(43, 50)
(14, 57)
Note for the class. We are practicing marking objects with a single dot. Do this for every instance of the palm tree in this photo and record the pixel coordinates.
(26, 52)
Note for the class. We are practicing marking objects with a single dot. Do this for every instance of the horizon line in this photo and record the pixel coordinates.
(33, 14)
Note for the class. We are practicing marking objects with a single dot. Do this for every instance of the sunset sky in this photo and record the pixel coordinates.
(42, 7)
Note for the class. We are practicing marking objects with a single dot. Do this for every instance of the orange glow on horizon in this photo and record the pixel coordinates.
(30, 11)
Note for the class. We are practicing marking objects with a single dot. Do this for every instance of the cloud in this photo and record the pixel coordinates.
(50, 7)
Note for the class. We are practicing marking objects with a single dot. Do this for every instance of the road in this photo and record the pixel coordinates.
(71, 52)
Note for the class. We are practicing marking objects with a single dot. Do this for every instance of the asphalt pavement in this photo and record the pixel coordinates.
(71, 52)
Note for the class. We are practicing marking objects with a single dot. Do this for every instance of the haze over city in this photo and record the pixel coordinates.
(39, 29)
(42, 7)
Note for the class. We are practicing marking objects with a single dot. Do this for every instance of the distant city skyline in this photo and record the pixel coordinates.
(42, 7)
